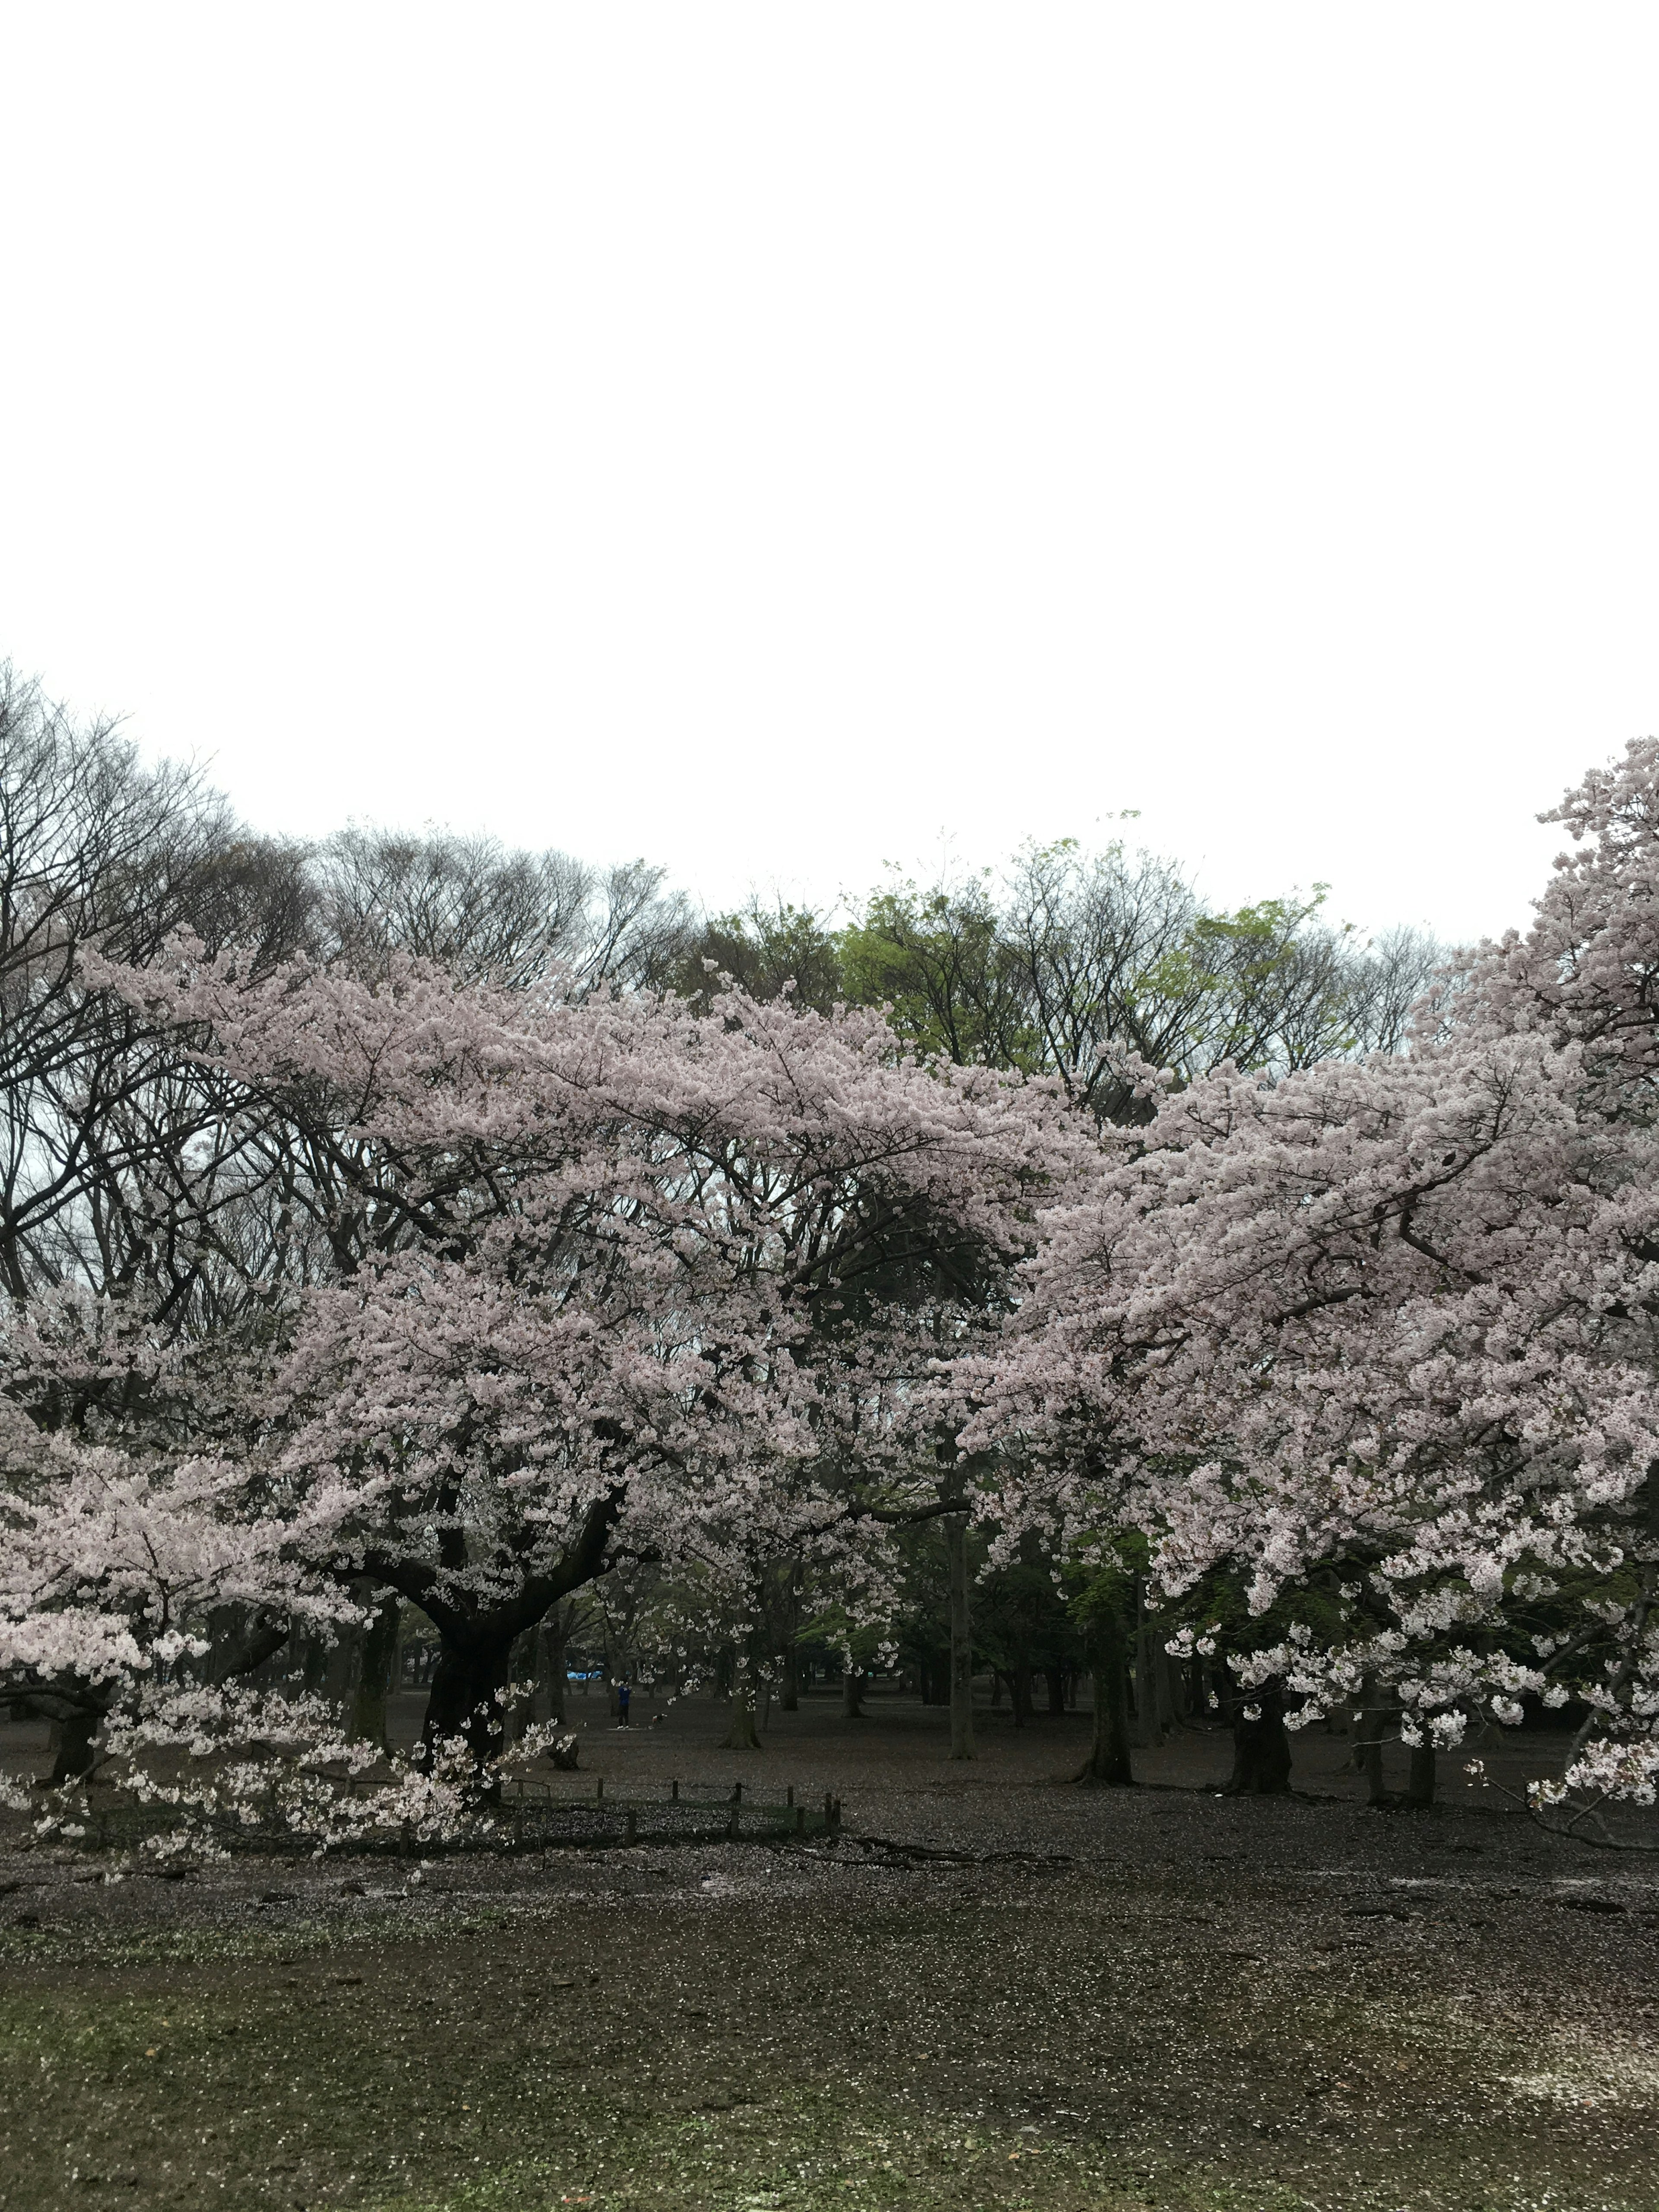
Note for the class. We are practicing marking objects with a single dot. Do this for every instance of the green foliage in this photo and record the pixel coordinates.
(1075, 965)
(765, 950)
(940, 959)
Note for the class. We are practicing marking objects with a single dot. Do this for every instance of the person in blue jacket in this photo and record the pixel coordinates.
(623, 1693)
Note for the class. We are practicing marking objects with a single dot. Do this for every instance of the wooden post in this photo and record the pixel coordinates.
(598, 1791)
(731, 1820)
(790, 1798)
(674, 1791)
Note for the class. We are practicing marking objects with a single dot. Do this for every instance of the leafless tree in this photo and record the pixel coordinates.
(472, 906)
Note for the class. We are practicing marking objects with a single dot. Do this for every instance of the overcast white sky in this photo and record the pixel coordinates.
(775, 439)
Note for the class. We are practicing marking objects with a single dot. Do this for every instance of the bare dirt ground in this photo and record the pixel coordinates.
(1117, 2000)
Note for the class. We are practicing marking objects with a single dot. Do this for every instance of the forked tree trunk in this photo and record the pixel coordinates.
(1108, 1760)
(962, 1638)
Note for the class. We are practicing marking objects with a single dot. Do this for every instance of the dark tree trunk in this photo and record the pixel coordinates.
(74, 1746)
(962, 1637)
(741, 1736)
(1375, 1719)
(1172, 1686)
(852, 1694)
(1149, 1715)
(1108, 1752)
(552, 1671)
(1056, 1678)
(1019, 1692)
(1262, 1747)
(375, 1677)
(1420, 1783)
(468, 1685)
(789, 1693)
(520, 1673)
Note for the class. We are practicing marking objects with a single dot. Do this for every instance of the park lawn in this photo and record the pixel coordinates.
(750, 2028)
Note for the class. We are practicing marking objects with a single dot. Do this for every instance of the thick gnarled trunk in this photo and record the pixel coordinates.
(469, 1688)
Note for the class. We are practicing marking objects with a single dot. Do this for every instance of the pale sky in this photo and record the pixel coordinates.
(777, 438)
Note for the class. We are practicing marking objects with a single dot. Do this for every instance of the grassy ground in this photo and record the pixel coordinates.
(1193, 2004)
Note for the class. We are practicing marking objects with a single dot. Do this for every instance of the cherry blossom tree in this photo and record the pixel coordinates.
(616, 1279)
(1386, 1330)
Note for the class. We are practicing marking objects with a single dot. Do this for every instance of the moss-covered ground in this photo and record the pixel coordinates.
(1182, 2003)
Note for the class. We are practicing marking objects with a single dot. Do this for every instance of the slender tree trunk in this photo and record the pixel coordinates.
(552, 1670)
(1419, 1785)
(1147, 1716)
(789, 1701)
(1108, 1758)
(1056, 1678)
(1375, 1717)
(741, 1736)
(1262, 1747)
(1163, 1684)
(852, 1694)
(962, 1638)
(1019, 1690)
(374, 1676)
